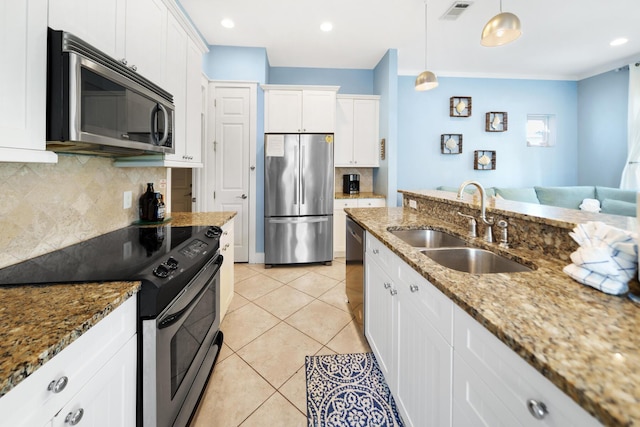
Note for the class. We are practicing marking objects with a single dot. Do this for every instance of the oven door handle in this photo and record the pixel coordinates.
(171, 318)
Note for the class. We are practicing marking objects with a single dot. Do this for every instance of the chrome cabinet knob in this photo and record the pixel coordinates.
(58, 385)
(393, 292)
(537, 409)
(123, 61)
(375, 251)
(414, 288)
(387, 285)
(74, 418)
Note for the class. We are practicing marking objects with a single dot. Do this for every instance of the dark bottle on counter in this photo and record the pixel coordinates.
(151, 205)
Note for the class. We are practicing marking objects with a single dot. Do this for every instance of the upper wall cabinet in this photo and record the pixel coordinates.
(23, 83)
(299, 109)
(132, 31)
(356, 142)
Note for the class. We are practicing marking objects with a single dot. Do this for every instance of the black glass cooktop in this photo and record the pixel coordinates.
(118, 255)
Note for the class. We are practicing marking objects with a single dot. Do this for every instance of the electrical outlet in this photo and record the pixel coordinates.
(126, 200)
(413, 204)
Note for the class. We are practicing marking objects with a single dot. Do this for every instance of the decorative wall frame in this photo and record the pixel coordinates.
(484, 160)
(451, 143)
(496, 121)
(460, 106)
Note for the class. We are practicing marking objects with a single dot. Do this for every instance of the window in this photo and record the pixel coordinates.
(541, 130)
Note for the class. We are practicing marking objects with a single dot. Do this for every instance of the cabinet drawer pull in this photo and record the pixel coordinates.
(58, 385)
(537, 409)
(414, 288)
(393, 292)
(74, 418)
(375, 251)
(387, 285)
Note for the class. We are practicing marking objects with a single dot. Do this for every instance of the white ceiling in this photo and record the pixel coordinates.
(561, 39)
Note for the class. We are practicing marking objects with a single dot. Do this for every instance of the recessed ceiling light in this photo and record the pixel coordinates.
(227, 23)
(619, 41)
(326, 26)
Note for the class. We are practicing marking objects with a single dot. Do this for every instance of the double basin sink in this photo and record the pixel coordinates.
(456, 254)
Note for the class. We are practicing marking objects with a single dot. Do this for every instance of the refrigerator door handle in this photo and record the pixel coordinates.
(296, 177)
(302, 170)
(298, 220)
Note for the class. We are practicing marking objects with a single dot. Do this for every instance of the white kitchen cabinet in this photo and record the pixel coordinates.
(495, 386)
(340, 219)
(380, 316)
(101, 24)
(357, 130)
(85, 367)
(24, 82)
(145, 29)
(109, 398)
(424, 351)
(299, 109)
(227, 278)
(412, 338)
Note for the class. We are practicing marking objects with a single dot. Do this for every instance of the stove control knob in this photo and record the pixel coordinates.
(172, 263)
(161, 271)
(213, 231)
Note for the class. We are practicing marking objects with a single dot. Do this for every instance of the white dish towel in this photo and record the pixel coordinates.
(606, 259)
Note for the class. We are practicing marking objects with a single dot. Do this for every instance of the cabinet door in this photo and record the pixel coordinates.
(339, 225)
(318, 111)
(101, 24)
(109, 398)
(379, 318)
(24, 82)
(365, 132)
(371, 203)
(343, 145)
(194, 103)
(176, 49)
(424, 362)
(283, 111)
(146, 23)
(227, 244)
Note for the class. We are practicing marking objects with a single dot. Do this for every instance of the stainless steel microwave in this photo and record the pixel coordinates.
(97, 105)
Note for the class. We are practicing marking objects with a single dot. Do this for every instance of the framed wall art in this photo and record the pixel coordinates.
(484, 160)
(460, 106)
(451, 143)
(496, 121)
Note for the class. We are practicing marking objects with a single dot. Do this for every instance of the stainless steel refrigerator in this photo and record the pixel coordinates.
(298, 198)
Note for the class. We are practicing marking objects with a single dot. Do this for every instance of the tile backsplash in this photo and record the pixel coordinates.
(49, 206)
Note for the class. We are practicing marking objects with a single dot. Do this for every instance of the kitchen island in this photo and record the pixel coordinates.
(582, 340)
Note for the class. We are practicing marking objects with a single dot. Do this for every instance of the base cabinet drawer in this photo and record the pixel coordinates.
(516, 385)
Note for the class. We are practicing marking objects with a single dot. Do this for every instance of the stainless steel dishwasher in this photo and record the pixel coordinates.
(355, 271)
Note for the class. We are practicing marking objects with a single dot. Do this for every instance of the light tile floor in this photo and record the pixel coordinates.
(276, 318)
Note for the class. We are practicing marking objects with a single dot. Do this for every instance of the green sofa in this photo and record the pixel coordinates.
(613, 201)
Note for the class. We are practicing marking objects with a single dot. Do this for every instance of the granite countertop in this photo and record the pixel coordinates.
(361, 195)
(38, 322)
(584, 341)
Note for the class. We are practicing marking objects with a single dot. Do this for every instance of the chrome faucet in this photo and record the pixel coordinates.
(488, 222)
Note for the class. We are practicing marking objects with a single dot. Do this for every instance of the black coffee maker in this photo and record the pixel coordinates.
(351, 183)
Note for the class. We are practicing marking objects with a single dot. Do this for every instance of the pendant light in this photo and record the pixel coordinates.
(501, 29)
(426, 80)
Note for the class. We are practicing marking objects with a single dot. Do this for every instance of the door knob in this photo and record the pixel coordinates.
(244, 196)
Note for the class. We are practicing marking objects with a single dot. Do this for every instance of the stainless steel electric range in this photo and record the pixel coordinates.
(178, 305)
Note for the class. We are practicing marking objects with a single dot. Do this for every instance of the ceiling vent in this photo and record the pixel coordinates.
(456, 9)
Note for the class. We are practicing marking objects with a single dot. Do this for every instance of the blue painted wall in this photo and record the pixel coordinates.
(424, 116)
(351, 81)
(385, 178)
(248, 64)
(603, 103)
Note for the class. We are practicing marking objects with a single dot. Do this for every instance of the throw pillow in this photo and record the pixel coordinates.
(565, 197)
(527, 195)
(618, 207)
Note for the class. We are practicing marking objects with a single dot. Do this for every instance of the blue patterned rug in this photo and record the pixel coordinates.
(348, 390)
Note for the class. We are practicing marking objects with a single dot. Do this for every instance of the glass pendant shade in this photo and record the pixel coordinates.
(426, 81)
(500, 30)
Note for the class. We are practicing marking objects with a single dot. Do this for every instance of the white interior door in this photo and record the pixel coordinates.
(232, 110)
